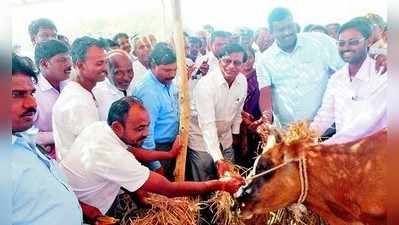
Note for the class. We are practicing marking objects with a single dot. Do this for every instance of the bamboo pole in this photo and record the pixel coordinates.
(183, 95)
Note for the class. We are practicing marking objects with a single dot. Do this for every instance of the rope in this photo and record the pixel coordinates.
(302, 176)
(304, 180)
(270, 170)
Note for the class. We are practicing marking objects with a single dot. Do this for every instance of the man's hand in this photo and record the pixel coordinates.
(190, 70)
(381, 63)
(231, 184)
(176, 148)
(223, 166)
(204, 68)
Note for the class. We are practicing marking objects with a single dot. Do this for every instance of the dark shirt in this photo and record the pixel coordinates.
(251, 105)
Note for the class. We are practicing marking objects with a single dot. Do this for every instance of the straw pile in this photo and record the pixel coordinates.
(168, 211)
(223, 204)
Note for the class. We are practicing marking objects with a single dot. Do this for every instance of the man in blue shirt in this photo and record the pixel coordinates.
(40, 193)
(160, 97)
(293, 73)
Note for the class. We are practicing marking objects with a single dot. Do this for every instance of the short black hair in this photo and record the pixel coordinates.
(119, 109)
(80, 46)
(162, 54)
(48, 49)
(120, 35)
(361, 24)
(220, 34)
(35, 26)
(112, 44)
(278, 14)
(20, 65)
(232, 48)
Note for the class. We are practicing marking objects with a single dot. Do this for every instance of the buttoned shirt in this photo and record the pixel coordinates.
(46, 96)
(40, 192)
(106, 93)
(74, 110)
(358, 106)
(217, 113)
(99, 164)
(161, 102)
(298, 79)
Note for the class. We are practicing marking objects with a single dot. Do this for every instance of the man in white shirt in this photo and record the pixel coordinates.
(100, 162)
(76, 107)
(141, 49)
(53, 58)
(114, 87)
(218, 99)
(356, 97)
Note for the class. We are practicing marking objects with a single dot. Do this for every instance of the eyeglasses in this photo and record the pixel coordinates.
(227, 62)
(351, 42)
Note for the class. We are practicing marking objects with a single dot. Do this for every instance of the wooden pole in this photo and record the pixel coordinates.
(184, 94)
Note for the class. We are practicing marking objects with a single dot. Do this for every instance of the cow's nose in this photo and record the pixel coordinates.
(244, 193)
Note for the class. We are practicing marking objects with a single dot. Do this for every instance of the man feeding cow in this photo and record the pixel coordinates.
(344, 183)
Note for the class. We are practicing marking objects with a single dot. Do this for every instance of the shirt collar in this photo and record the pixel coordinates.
(221, 81)
(45, 85)
(112, 133)
(112, 86)
(299, 44)
(28, 135)
(156, 81)
(364, 70)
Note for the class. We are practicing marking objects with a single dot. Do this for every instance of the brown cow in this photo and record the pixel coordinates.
(346, 181)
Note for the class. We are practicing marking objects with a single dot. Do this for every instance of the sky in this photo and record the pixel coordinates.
(222, 14)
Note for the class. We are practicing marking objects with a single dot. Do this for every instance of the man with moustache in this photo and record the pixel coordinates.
(76, 107)
(40, 193)
(215, 121)
(159, 97)
(356, 95)
(53, 58)
(100, 162)
(293, 73)
(114, 87)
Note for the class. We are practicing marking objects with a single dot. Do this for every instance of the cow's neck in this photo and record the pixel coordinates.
(327, 177)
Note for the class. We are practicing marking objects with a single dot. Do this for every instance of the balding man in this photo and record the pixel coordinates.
(120, 74)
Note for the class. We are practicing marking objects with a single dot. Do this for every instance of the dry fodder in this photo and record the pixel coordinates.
(168, 211)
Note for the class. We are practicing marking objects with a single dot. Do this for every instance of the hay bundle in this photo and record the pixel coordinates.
(299, 132)
(168, 211)
(223, 204)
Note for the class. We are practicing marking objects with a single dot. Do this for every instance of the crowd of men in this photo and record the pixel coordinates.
(96, 121)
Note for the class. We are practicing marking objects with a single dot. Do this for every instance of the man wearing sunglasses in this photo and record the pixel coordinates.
(216, 117)
(293, 73)
(355, 98)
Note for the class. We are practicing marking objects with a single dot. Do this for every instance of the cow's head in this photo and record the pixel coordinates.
(277, 189)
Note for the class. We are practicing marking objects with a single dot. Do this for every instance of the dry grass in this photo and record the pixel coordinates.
(168, 211)
(299, 132)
